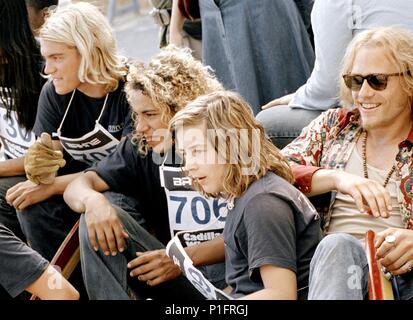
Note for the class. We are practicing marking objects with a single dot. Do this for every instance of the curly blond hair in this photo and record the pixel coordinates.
(227, 116)
(172, 79)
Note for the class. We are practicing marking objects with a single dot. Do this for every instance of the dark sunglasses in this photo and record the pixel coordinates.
(378, 81)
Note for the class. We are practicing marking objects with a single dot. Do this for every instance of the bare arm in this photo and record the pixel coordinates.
(323, 181)
(12, 167)
(105, 229)
(177, 23)
(369, 195)
(27, 193)
(208, 252)
(279, 284)
(86, 186)
(42, 288)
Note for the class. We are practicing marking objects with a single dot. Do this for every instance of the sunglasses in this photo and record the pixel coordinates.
(378, 81)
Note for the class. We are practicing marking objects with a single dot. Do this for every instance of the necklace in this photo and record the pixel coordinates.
(364, 157)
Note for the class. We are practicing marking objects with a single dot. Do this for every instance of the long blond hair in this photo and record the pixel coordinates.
(83, 26)
(398, 45)
(229, 116)
(172, 79)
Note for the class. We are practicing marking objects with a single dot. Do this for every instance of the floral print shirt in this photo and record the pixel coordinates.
(327, 142)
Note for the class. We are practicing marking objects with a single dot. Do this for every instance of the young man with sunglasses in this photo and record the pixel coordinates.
(363, 155)
(334, 23)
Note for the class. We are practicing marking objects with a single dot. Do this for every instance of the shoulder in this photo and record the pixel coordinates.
(266, 204)
(126, 149)
(270, 184)
(268, 195)
(123, 161)
(48, 95)
(266, 213)
(334, 117)
(127, 154)
(118, 97)
(49, 88)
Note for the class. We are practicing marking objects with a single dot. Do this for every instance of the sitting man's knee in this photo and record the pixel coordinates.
(339, 242)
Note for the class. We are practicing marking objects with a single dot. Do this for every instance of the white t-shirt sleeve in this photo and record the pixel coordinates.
(332, 22)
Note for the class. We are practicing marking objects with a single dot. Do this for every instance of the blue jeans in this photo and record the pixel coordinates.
(260, 49)
(283, 124)
(107, 277)
(339, 271)
(47, 223)
(8, 215)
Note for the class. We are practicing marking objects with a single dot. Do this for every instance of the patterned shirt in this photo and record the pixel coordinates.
(327, 142)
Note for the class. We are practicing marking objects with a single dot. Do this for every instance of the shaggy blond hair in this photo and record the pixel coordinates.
(83, 26)
(227, 114)
(171, 80)
(398, 44)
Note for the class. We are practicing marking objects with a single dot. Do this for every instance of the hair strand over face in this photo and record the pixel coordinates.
(227, 115)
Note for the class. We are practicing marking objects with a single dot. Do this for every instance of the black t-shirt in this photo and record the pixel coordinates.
(127, 172)
(271, 223)
(81, 117)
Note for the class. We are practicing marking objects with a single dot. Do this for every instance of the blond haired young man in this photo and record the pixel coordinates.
(83, 107)
(271, 230)
(125, 251)
(363, 154)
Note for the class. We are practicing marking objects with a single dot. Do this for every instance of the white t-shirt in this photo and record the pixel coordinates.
(348, 219)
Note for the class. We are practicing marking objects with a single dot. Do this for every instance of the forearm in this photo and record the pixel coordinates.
(271, 294)
(208, 252)
(12, 167)
(42, 289)
(177, 19)
(85, 186)
(323, 181)
(61, 182)
(279, 284)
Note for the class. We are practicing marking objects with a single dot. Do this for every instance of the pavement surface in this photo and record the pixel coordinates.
(136, 35)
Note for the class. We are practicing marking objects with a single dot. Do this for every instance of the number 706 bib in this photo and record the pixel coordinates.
(189, 210)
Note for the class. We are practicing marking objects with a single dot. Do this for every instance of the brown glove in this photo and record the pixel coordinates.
(42, 162)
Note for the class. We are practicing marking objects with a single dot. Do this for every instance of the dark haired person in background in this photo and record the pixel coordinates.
(20, 84)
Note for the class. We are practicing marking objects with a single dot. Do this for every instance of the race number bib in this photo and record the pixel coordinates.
(15, 139)
(91, 148)
(176, 252)
(200, 218)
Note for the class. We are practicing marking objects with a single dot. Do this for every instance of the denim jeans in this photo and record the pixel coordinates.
(260, 49)
(8, 215)
(20, 266)
(283, 124)
(107, 277)
(339, 271)
(46, 224)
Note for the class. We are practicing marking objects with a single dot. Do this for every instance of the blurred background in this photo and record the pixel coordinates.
(136, 31)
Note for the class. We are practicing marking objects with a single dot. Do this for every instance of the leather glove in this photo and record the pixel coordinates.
(42, 162)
